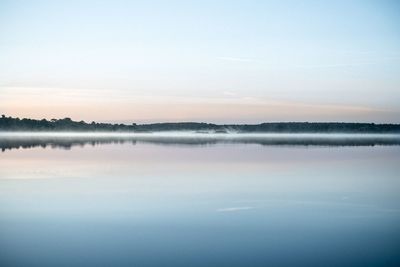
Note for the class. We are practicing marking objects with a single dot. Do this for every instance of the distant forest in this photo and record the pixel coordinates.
(67, 124)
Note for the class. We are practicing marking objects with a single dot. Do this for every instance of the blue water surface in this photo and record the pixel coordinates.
(220, 204)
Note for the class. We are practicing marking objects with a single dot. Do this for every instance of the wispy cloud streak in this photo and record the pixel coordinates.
(237, 59)
(232, 209)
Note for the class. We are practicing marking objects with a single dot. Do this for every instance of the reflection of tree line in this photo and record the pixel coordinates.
(64, 143)
(8, 143)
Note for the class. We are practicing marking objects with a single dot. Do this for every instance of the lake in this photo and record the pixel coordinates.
(199, 200)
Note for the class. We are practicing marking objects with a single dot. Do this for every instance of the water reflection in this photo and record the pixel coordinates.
(209, 201)
(68, 140)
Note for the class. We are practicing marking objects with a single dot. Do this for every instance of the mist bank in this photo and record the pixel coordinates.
(8, 124)
(61, 140)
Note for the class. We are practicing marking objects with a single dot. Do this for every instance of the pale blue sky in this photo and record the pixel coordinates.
(219, 61)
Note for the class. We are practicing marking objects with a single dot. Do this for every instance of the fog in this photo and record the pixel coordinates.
(67, 140)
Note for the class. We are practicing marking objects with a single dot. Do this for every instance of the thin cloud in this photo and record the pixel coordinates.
(232, 209)
(229, 93)
(237, 59)
(340, 65)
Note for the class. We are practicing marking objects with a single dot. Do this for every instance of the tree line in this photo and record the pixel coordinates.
(67, 124)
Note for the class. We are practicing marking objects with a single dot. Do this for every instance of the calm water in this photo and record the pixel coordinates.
(105, 201)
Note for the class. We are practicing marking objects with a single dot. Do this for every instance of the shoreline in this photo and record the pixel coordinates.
(188, 134)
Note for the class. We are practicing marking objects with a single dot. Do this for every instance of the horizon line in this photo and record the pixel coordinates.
(124, 122)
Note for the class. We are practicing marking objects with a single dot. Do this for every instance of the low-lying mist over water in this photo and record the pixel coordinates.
(69, 139)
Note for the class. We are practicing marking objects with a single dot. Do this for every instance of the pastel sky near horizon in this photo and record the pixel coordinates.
(216, 61)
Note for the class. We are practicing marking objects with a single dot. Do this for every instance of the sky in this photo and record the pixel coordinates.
(216, 61)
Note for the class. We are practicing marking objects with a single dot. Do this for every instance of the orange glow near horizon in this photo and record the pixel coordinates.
(142, 109)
